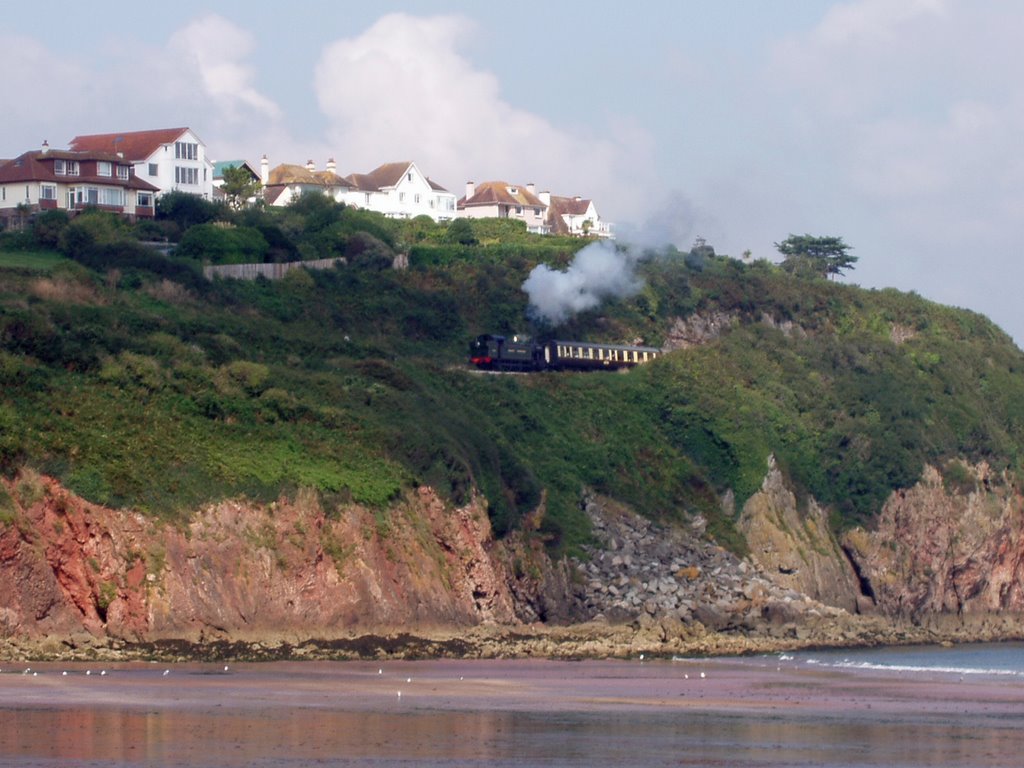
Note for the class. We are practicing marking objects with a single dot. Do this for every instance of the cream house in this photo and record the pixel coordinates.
(501, 200)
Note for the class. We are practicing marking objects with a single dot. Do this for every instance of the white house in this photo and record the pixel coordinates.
(171, 159)
(574, 216)
(501, 200)
(400, 190)
(49, 179)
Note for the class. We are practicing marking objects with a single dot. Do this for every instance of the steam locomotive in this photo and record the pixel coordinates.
(521, 353)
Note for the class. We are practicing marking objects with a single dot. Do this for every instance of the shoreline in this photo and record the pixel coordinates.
(593, 640)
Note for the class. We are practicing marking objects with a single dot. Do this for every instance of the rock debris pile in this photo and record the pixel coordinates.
(646, 572)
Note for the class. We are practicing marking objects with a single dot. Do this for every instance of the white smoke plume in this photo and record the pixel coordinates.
(598, 272)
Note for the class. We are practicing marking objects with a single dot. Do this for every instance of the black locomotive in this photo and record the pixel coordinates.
(521, 353)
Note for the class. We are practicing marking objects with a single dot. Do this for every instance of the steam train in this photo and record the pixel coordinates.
(521, 353)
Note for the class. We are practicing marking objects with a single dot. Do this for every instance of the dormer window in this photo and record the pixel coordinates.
(513, 190)
(104, 168)
(65, 167)
(122, 172)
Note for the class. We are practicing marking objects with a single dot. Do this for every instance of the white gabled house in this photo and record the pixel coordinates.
(501, 200)
(171, 159)
(401, 191)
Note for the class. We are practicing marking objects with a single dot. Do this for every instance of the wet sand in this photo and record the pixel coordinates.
(757, 711)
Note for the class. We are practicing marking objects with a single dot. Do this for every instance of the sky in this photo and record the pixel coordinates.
(894, 124)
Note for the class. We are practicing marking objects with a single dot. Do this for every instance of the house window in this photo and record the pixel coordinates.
(47, 192)
(65, 167)
(185, 150)
(87, 195)
(409, 176)
(519, 210)
(186, 175)
(122, 172)
(104, 168)
(367, 198)
(145, 200)
(416, 199)
(153, 167)
(401, 197)
(113, 196)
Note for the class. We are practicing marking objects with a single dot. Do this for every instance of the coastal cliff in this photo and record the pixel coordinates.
(77, 575)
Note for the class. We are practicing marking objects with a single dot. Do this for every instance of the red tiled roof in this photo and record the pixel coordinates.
(134, 145)
(500, 193)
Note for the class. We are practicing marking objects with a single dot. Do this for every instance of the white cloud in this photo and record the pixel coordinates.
(402, 91)
(213, 50)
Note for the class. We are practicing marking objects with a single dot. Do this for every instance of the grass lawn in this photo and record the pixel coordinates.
(41, 261)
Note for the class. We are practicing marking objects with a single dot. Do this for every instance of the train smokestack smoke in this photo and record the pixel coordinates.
(598, 272)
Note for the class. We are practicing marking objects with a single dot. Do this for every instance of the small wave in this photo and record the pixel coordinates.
(876, 666)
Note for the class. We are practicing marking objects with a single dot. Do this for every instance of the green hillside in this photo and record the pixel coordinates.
(140, 384)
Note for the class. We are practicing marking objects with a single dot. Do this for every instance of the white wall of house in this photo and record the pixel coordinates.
(181, 166)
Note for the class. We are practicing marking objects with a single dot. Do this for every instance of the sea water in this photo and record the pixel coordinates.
(841, 709)
(998, 659)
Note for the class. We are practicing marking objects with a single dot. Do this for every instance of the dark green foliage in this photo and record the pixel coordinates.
(47, 228)
(223, 244)
(461, 232)
(185, 210)
(810, 256)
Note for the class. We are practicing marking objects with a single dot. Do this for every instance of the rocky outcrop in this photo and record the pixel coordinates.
(243, 570)
(951, 544)
(796, 547)
(697, 329)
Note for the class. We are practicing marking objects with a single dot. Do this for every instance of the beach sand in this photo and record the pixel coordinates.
(754, 711)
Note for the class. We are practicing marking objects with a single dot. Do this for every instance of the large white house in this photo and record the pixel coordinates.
(171, 159)
(501, 200)
(399, 190)
(50, 179)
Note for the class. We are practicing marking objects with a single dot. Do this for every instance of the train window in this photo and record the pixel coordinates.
(590, 353)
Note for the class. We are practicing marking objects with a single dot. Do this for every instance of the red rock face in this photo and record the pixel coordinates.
(247, 571)
(946, 550)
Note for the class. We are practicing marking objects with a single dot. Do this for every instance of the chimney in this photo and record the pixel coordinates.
(46, 146)
(531, 188)
(545, 197)
(470, 189)
(310, 166)
(331, 165)
(264, 171)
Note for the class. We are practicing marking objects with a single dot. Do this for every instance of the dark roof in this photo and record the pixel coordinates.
(134, 145)
(38, 166)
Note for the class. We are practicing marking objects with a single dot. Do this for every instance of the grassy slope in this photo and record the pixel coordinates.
(139, 393)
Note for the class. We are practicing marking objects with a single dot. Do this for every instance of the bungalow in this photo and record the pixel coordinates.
(49, 179)
(172, 159)
(574, 216)
(498, 199)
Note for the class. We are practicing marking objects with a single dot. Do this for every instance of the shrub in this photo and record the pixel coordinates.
(223, 244)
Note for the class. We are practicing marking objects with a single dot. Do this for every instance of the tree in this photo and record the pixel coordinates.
(808, 255)
(239, 186)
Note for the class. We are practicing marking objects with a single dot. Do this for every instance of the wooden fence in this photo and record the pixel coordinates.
(269, 271)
